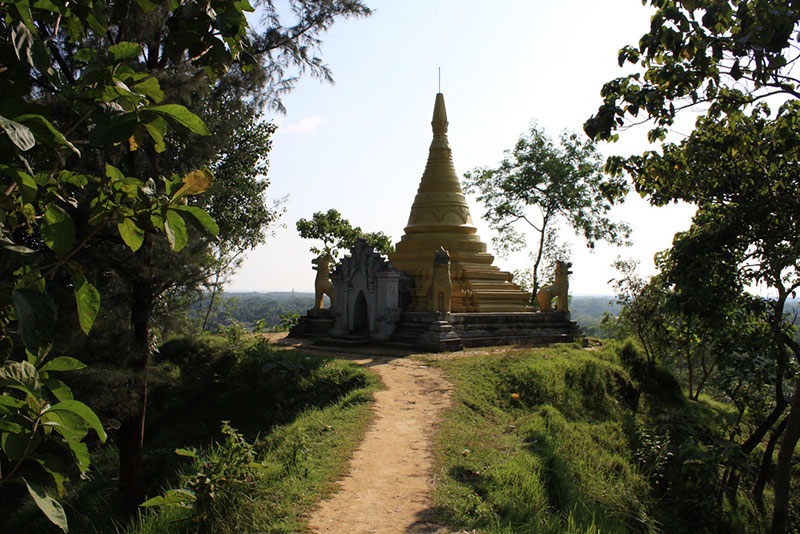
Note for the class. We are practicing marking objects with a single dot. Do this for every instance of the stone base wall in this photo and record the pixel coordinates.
(438, 332)
(316, 322)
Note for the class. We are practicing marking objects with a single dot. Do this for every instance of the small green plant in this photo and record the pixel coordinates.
(234, 334)
(653, 452)
(41, 423)
(218, 475)
(260, 327)
(288, 320)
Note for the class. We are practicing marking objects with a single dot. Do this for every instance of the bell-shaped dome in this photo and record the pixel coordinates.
(440, 218)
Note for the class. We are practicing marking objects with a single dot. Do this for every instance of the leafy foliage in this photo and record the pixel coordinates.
(727, 54)
(218, 474)
(336, 233)
(738, 166)
(540, 184)
(41, 423)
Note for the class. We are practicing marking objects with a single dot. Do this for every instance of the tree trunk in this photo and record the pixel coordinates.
(131, 490)
(131, 435)
(690, 371)
(783, 473)
(210, 302)
(766, 465)
(538, 262)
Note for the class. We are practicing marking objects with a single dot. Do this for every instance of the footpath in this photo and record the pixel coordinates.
(390, 479)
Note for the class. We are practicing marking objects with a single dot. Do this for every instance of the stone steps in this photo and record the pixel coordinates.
(316, 322)
(456, 330)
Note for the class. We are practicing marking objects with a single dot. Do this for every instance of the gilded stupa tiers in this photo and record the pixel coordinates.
(440, 218)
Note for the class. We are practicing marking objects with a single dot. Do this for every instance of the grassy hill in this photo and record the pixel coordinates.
(544, 440)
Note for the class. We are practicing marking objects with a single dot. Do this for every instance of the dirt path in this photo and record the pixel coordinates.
(387, 490)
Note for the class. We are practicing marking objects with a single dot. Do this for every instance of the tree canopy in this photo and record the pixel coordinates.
(100, 117)
(540, 185)
(336, 233)
(739, 165)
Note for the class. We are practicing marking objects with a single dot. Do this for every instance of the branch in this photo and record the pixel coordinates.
(288, 39)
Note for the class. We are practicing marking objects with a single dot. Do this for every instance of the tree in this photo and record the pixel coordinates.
(739, 166)
(60, 96)
(642, 312)
(337, 233)
(539, 185)
(88, 114)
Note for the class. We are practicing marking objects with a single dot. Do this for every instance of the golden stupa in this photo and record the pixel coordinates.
(440, 218)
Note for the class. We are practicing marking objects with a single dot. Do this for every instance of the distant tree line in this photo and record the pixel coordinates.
(250, 308)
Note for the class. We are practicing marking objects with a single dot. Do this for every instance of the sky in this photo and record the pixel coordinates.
(360, 145)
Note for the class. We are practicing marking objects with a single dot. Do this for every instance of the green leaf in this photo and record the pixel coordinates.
(45, 128)
(20, 134)
(10, 403)
(23, 41)
(85, 54)
(58, 231)
(175, 228)
(181, 115)
(80, 451)
(180, 495)
(24, 11)
(70, 426)
(62, 363)
(110, 129)
(84, 412)
(174, 497)
(201, 218)
(186, 452)
(150, 88)
(114, 173)
(87, 299)
(60, 390)
(124, 50)
(28, 187)
(131, 234)
(57, 469)
(244, 5)
(48, 505)
(154, 501)
(36, 314)
(10, 427)
(26, 183)
(73, 178)
(156, 133)
(15, 445)
(20, 375)
(148, 5)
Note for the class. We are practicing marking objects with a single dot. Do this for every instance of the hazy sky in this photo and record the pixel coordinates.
(361, 145)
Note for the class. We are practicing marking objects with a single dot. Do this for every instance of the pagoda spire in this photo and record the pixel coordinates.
(440, 204)
(440, 218)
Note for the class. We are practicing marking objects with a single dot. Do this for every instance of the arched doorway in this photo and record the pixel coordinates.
(360, 315)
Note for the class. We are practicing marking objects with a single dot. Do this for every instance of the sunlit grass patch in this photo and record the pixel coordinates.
(539, 441)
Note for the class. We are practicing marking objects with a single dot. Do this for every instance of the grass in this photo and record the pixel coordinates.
(565, 440)
(553, 440)
(298, 419)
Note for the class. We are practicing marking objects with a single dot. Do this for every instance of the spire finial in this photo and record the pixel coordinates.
(439, 122)
(440, 79)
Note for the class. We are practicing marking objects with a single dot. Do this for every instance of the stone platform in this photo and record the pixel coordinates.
(316, 322)
(454, 331)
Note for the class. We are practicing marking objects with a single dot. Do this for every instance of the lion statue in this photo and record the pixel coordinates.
(559, 289)
(322, 284)
(441, 286)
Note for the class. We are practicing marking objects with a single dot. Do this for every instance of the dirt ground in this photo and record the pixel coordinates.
(387, 489)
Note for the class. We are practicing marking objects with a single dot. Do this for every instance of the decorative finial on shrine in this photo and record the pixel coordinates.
(439, 122)
(440, 79)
